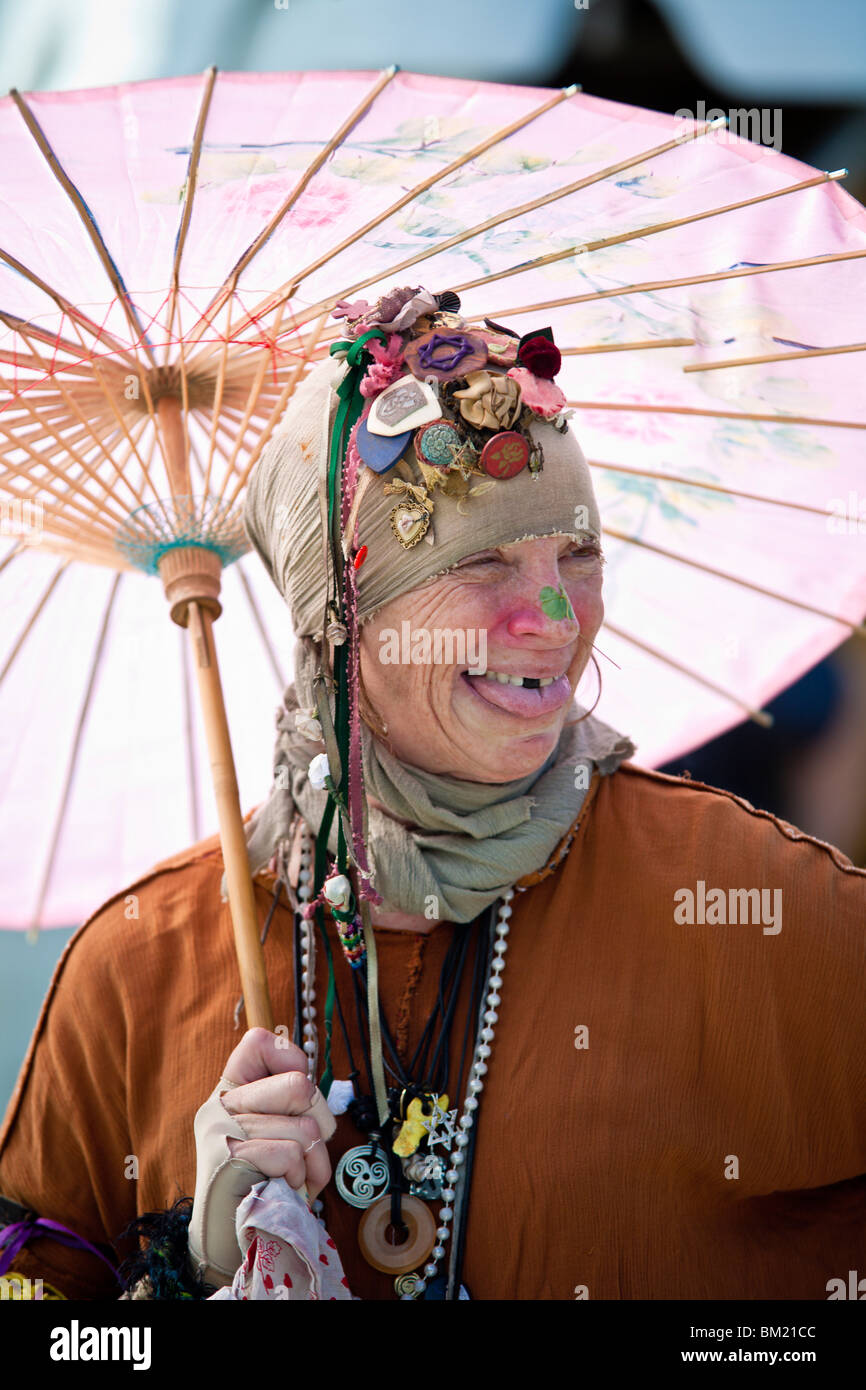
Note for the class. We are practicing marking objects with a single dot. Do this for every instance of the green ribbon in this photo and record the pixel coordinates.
(351, 403)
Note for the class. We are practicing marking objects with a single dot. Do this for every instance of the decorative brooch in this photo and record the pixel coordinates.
(463, 397)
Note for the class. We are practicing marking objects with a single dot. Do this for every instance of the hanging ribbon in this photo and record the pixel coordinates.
(15, 1236)
(336, 733)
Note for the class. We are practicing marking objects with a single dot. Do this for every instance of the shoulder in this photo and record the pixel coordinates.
(671, 810)
(638, 819)
(166, 926)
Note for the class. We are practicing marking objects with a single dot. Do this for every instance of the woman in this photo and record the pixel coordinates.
(621, 1048)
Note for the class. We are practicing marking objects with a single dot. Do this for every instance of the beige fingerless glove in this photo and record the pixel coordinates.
(222, 1182)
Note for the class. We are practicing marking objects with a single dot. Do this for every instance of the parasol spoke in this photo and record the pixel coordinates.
(66, 790)
(17, 442)
(718, 414)
(650, 286)
(25, 631)
(260, 625)
(41, 485)
(506, 216)
(758, 715)
(69, 310)
(709, 487)
(17, 549)
(87, 221)
(858, 628)
(86, 422)
(290, 287)
(604, 242)
(627, 347)
(774, 357)
(276, 413)
(218, 395)
(188, 197)
(230, 284)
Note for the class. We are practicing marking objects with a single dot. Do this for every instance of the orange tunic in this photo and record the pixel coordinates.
(672, 1110)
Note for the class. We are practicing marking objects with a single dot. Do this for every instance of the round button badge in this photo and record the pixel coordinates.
(505, 455)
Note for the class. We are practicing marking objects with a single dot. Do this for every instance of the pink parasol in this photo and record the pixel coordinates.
(170, 253)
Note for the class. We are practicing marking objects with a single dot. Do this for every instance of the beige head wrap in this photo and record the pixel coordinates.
(283, 520)
(472, 839)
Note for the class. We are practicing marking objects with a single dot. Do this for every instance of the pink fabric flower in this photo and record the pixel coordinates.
(387, 365)
(538, 394)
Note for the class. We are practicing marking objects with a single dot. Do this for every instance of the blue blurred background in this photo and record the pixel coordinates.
(807, 59)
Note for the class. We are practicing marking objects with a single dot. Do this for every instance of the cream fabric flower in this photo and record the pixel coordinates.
(307, 723)
(490, 402)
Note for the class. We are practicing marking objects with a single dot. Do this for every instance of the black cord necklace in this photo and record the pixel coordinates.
(424, 1079)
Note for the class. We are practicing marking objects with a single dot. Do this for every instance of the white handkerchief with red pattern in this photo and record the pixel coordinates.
(288, 1252)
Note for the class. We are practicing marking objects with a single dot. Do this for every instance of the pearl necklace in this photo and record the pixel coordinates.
(308, 959)
(456, 1157)
(411, 1286)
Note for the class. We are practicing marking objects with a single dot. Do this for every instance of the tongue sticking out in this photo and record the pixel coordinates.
(521, 700)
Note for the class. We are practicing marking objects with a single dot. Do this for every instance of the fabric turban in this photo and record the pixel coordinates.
(283, 514)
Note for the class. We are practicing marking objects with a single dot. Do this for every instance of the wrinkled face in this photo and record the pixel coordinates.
(535, 606)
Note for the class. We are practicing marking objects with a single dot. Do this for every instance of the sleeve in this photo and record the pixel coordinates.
(64, 1143)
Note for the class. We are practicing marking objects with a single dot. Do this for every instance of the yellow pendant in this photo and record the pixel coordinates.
(416, 1124)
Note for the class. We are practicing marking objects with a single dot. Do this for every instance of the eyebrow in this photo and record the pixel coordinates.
(584, 538)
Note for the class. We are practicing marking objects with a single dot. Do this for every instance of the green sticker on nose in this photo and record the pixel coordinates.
(556, 603)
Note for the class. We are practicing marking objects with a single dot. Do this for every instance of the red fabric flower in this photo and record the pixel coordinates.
(541, 357)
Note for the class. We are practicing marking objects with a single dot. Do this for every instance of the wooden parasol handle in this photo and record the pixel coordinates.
(242, 903)
(191, 579)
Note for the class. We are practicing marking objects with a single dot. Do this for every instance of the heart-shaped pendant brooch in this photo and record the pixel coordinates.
(409, 522)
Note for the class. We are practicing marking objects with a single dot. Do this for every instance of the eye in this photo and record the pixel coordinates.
(489, 558)
(584, 550)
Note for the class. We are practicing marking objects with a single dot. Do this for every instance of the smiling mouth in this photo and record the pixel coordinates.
(527, 682)
(529, 697)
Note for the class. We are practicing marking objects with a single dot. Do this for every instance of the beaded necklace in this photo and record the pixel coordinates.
(373, 1164)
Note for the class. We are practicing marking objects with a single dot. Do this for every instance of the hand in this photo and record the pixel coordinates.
(264, 1119)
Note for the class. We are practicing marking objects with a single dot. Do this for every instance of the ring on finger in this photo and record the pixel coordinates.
(320, 1140)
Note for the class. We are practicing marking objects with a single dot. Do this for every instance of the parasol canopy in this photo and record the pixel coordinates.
(170, 253)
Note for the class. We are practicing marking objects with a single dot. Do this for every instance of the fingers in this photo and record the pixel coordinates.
(282, 1147)
(260, 1053)
(287, 1093)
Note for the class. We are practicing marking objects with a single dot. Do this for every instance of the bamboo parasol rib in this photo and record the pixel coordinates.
(680, 481)
(66, 790)
(650, 286)
(719, 414)
(628, 347)
(858, 628)
(604, 242)
(759, 716)
(774, 357)
(230, 283)
(479, 228)
(260, 624)
(87, 221)
(290, 287)
(28, 626)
